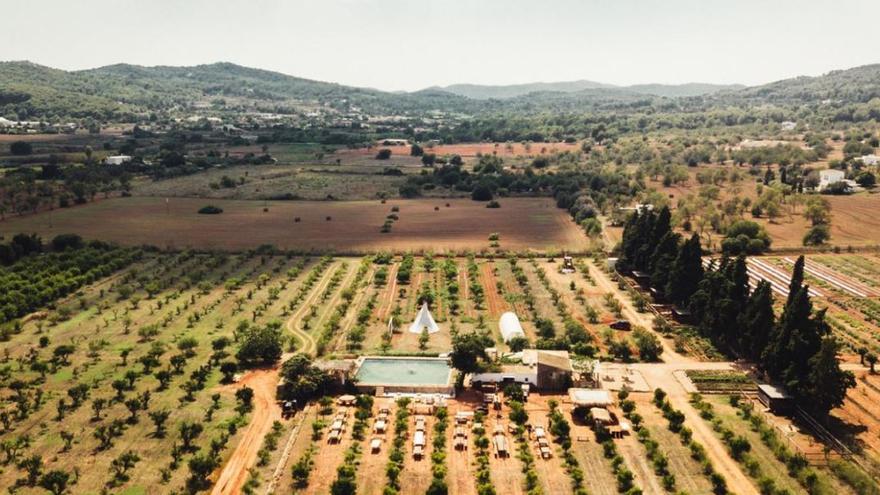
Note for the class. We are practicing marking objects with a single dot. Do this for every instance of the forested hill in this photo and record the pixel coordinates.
(856, 85)
(482, 92)
(119, 92)
(30, 91)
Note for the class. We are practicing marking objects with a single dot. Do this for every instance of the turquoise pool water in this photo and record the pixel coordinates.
(400, 371)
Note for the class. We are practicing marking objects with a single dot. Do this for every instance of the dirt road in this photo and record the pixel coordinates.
(265, 412)
(496, 304)
(294, 323)
(663, 376)
(645, 320)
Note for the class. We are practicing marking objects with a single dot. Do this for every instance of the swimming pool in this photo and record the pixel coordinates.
(404, 374)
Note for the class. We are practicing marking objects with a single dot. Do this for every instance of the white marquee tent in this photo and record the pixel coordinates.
(424, 321)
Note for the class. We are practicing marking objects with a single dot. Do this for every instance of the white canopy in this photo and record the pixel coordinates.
(510, 327)
(424, 321)
(584, 397)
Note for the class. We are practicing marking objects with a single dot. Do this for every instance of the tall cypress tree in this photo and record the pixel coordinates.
(827, 383)
(757, 322)
(645, 241)
(799, 338)
(739, 276)
(797, 279)
(686, 272)
(662, 225)
(662, 260)
(629, 243)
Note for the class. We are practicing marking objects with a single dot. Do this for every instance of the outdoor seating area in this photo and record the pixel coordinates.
(419, 443)
(337, 427)
(543, 442)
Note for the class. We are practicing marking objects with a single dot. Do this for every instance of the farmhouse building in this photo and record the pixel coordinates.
(540, 370)
(117, 160)
(830, 176)
(870, 160)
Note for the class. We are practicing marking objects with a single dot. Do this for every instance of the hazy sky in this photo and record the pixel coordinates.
(411, 44)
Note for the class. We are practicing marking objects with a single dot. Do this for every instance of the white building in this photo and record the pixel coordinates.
(830, 176)
(510, 327)
(788, 125)
(117, 160)
(870, 159)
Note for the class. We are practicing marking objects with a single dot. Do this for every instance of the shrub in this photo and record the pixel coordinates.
(210, 210)
(21, 148)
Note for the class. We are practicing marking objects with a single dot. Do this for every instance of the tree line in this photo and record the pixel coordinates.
(795, 349)
(37, 274)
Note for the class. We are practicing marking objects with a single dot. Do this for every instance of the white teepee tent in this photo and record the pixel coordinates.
(423, 321)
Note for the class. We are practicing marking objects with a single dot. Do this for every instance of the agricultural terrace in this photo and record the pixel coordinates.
(521, 224)
(139, 352)
(847, 286)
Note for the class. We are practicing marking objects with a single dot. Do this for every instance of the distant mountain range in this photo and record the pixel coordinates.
(484, 92)
(30, 91)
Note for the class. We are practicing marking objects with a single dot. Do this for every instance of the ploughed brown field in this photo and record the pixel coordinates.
(522, 223)
(855, 221)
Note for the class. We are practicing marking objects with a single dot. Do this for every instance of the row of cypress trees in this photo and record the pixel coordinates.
(796, 350)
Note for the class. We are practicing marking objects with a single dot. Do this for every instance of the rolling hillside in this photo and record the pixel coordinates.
(482, 92)
(29, 91)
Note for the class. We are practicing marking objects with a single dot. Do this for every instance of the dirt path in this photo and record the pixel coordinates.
(460, 463)
(494, 302)
(464, 284)
(386, 304)
(350, 318)
(333, 301)
(635, 458)
(283, 461)
(371, 470)
(415, 477)
(663, 376)
(327, 460)
(507, 474)
(293, 324)
(646, 320)
(551, 472)
(265, 412)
